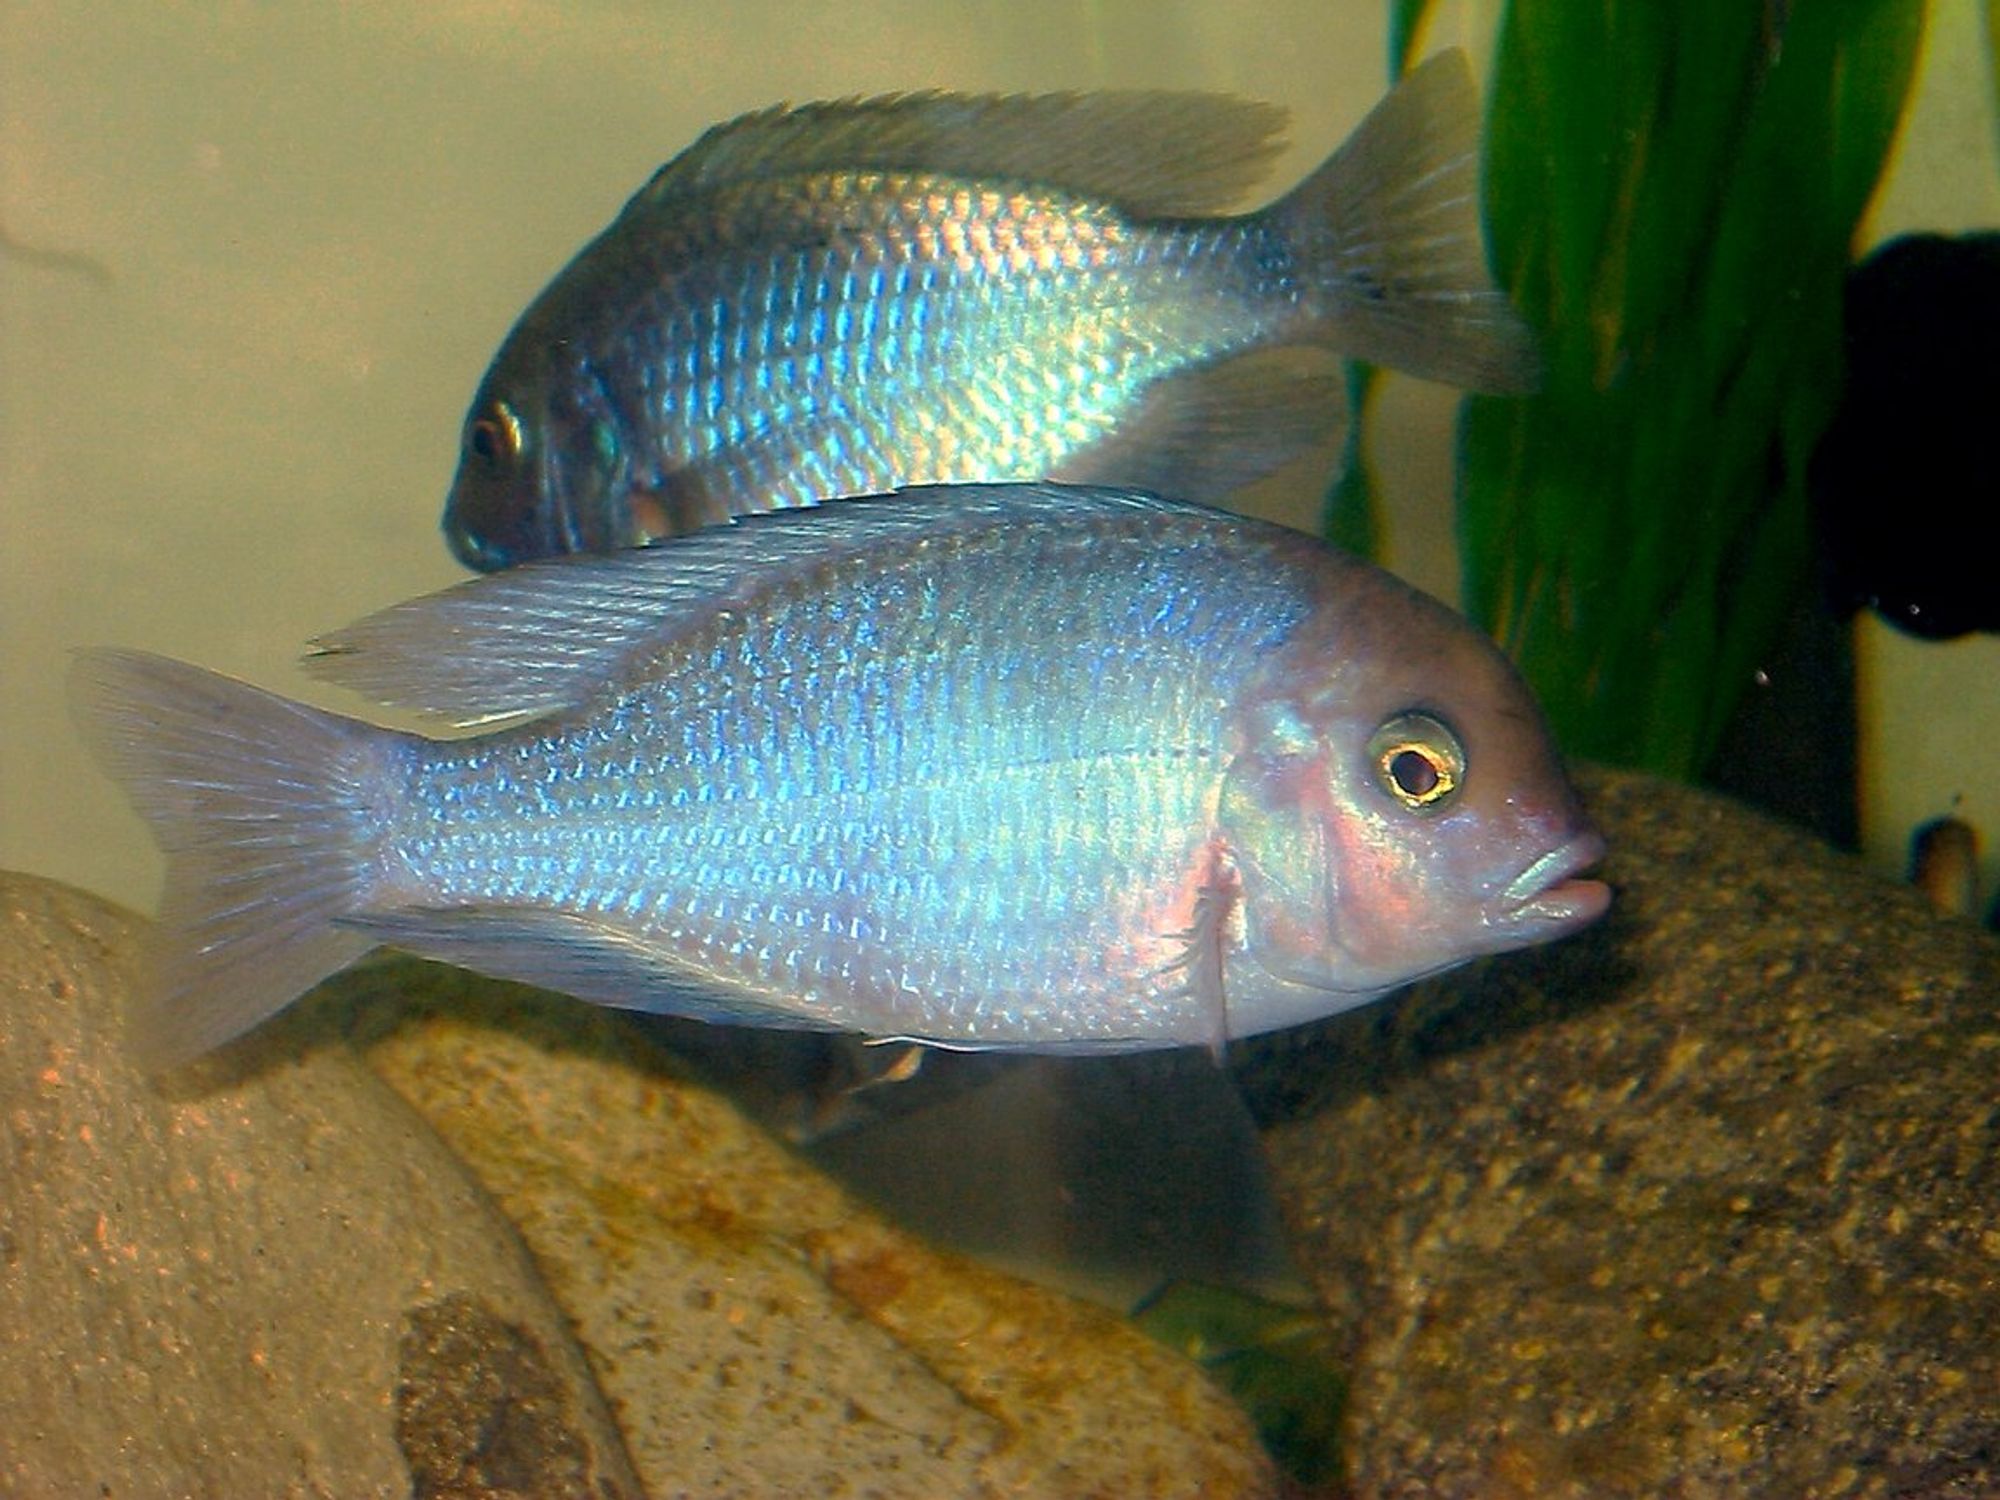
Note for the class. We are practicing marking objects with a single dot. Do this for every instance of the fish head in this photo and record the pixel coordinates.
(541, 471)
(1395, 806)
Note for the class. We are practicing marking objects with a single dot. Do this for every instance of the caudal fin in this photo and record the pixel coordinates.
(261, 806)
(1388, 230)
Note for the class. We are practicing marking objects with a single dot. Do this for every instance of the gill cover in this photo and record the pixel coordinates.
(1352, 863)
(1272, 815)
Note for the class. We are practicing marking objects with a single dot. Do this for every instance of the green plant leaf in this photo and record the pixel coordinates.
(1993, 57)
(1673, 194)
(1353, 519)
(1406, 21)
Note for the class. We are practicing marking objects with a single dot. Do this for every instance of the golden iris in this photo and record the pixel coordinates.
(494, 436)
(1418, 761)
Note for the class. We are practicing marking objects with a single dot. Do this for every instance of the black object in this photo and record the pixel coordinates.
(1906, 481)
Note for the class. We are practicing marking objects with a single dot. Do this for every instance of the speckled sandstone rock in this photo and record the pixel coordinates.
(755, 1330)
(241, 1286)
(272, 1277)
(1705, 1202)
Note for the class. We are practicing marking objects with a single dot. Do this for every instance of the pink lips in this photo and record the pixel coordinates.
(1549, 896)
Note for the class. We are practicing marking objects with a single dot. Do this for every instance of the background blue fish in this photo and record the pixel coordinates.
(1016, 767)
(845, 298)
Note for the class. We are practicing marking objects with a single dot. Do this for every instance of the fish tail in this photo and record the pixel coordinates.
(1388, 232)
(267, 811)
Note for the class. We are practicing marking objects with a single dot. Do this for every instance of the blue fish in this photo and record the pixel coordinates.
(1015, 766)
(847, 298)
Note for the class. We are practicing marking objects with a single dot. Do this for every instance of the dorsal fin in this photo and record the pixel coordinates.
(1147, 152)
(546, 636)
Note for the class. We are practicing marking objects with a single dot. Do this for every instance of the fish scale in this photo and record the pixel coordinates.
(799, 345)
(1017, 766)
(1053, 739)
(846, 298)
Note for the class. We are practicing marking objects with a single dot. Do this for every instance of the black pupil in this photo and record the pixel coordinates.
(1413, 773)
(486, 440)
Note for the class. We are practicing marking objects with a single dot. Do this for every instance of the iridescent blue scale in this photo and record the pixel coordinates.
(849, 298)
(970, 809)
(1131, 307)
(1018, 766)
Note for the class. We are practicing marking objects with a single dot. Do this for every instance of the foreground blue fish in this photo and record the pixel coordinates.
(1016, 767)
(847, 298)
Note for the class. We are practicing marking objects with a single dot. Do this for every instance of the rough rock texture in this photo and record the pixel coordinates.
(273, 1278)
(755, 1331)
(1703, 1203)
(238, 1288)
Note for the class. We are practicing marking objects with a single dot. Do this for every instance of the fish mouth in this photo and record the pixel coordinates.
(473, 551)
(1548, 898)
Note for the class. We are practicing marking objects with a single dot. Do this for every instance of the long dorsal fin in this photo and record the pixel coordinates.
(1148, 152)
(546, 636)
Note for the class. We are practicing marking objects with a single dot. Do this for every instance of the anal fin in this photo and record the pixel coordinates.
(1205, 432)
(573, 954)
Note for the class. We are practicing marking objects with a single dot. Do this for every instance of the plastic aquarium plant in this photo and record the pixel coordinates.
(1673, 193)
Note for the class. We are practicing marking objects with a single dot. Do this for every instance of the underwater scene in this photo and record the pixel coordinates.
(1085, 749)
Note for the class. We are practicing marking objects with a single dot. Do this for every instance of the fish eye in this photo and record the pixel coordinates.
(494, 436)
(1418, 761)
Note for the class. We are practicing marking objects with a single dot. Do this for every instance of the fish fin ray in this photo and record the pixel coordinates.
(539, 638)
(1201, 966)
(1145, 151)
(1390, 231)
(1216, 908)
(573, 954)
(1203, 433)
(548, 635)
(262, 807)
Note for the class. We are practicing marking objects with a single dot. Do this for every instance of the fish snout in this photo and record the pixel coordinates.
(473, 550)
(491, 526)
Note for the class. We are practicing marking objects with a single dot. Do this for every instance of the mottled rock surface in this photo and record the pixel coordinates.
(274, 1277)
(754, 1329)
(1705, 1202)
(239, 1287)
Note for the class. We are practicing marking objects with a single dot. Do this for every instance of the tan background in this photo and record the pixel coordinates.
(303, 229)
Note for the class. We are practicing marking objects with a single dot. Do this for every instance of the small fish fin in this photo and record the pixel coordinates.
(1389, 230)
(572, 954)
(1146, 151)
(548, 635)
(891, 1061)
(1101, 1176)
(1202, 964)
(264, 809)
(1218, 909)
(1206, 432)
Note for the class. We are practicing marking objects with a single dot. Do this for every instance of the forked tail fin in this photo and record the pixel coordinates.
(268, 812)
(1388, 232)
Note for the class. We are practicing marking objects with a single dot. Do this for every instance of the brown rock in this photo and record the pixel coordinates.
(1703, 1203)
(236, 1287)
(757, 1331)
